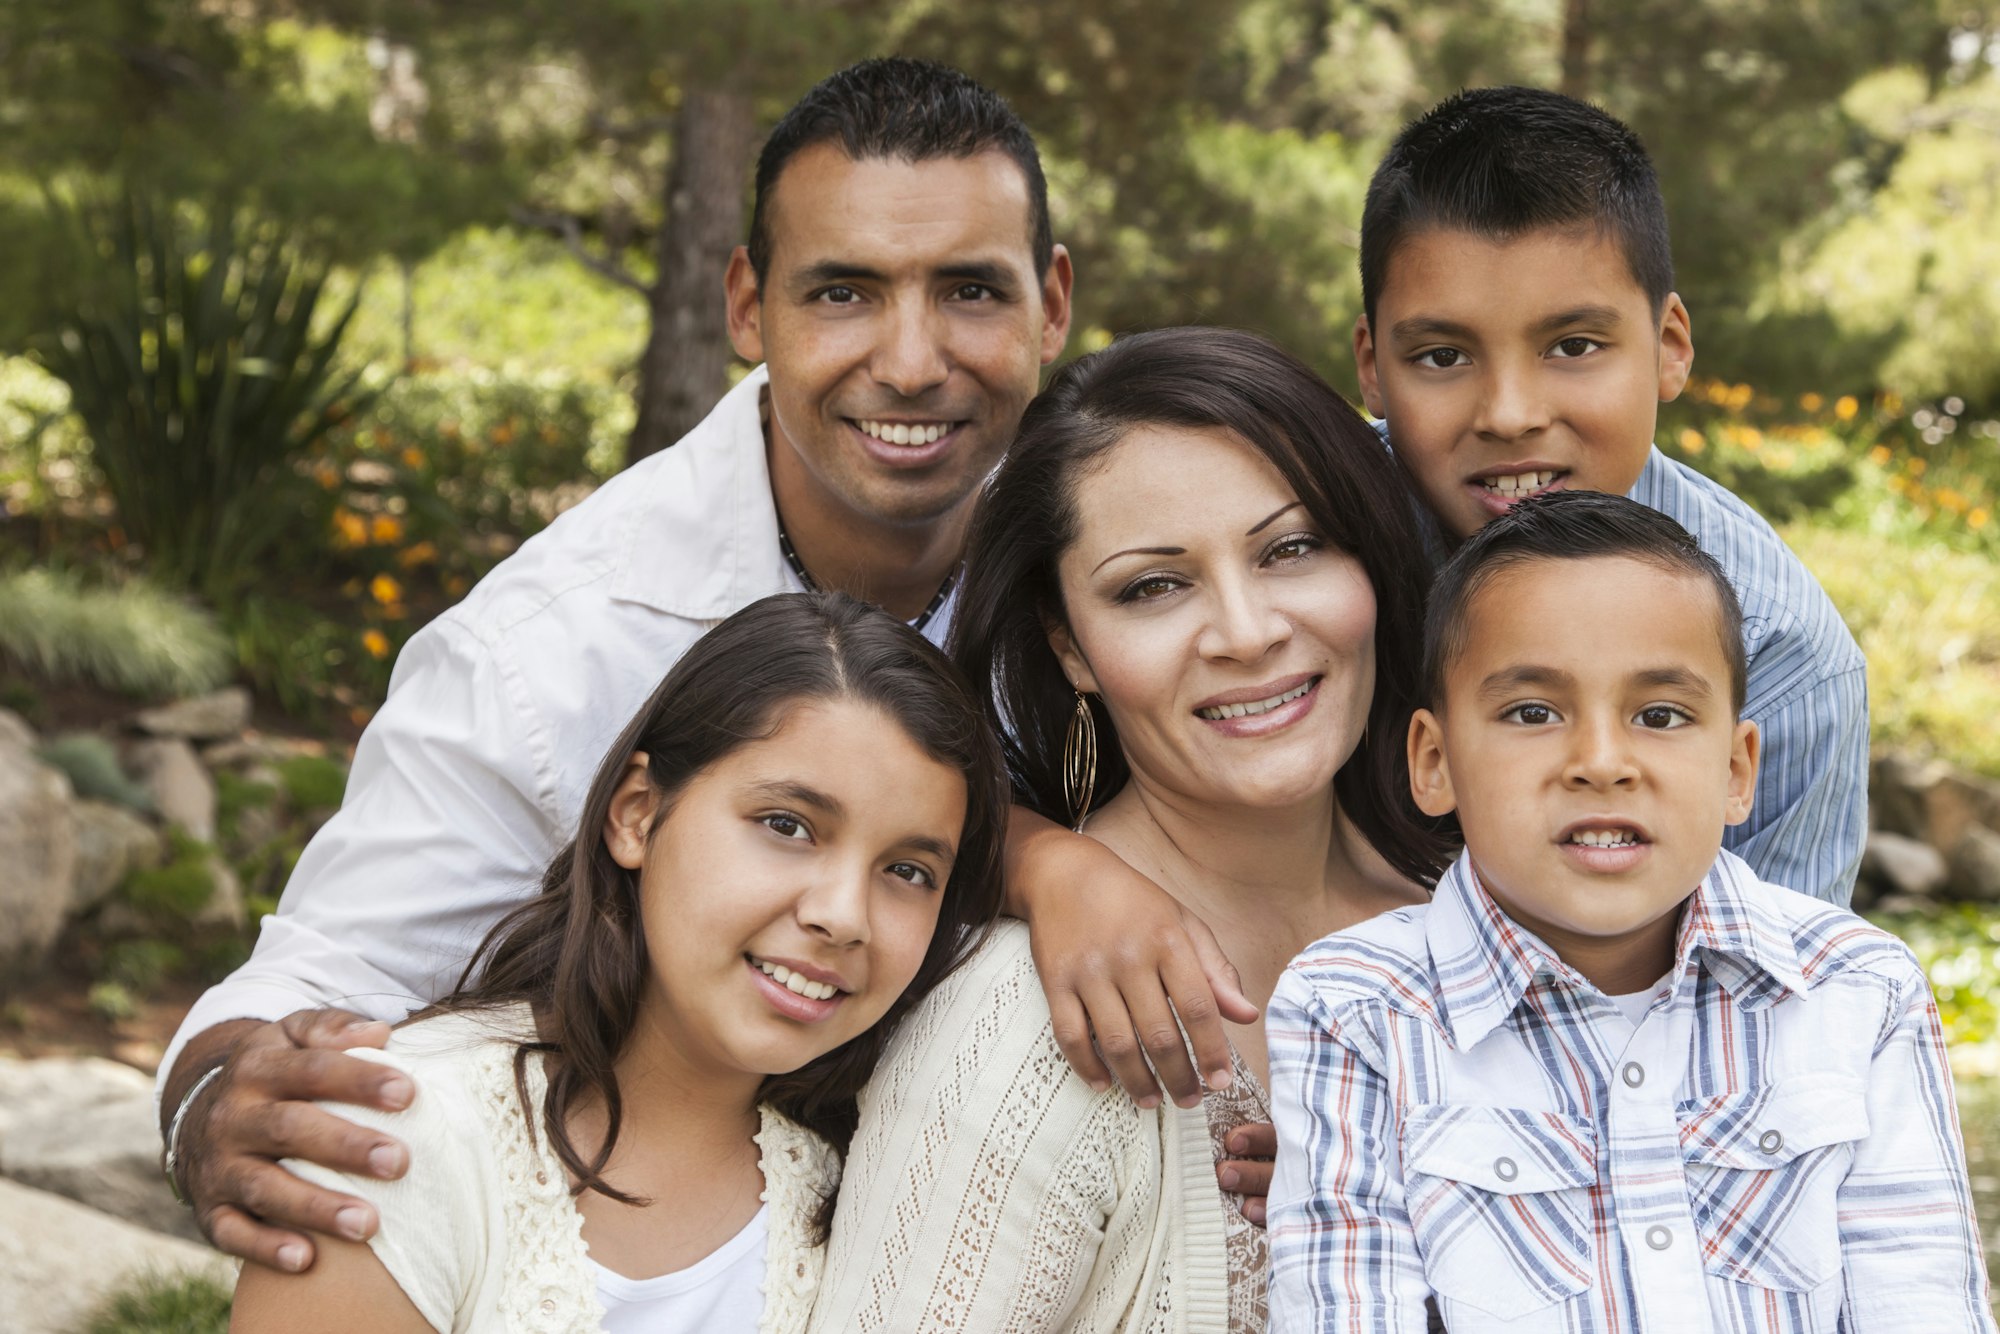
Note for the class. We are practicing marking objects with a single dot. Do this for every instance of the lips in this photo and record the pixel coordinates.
(1605, 846)
(1240, 707)
(1500, 487)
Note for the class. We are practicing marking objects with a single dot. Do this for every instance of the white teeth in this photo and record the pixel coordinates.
(1604, 838)
(1517, 484)
(1221, 711)
(797, 982)
(906, 433)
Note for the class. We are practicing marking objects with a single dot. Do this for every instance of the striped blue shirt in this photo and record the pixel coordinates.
(1772, 1147)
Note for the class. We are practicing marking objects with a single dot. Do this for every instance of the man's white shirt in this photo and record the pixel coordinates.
(473, 774)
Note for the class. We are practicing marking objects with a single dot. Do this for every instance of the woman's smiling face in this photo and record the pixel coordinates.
(1233, 645)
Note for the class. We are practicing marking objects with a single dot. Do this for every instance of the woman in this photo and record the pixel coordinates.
(631, 1112)
(1197, 554)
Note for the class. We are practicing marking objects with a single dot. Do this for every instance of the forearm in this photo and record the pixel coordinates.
(199, 1055)
(1031, 838)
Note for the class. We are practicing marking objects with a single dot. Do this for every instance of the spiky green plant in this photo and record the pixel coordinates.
(129, 637)
(195, 356)
(163, 1304)
(92, 765)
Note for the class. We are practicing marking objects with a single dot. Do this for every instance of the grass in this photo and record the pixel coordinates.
(156, 1304)
(129, 637)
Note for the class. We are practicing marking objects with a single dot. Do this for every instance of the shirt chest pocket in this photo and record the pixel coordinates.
(1764, 1170)
(1499, 1201)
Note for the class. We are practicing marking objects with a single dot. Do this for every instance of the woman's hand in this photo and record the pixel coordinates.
(1247, 1169)
(1120, 957)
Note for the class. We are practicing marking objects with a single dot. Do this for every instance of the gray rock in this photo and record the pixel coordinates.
(14, 730)
(1975, 866)
(203, 718)
(225, 906)
(1931, 801)
(1903, 865)
(246, 753)
(181, 788)
(83, 1128)
(111, 843)
(59, 1259)
(37, 858)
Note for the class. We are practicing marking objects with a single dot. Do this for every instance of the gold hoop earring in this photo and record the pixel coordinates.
(1080, 763)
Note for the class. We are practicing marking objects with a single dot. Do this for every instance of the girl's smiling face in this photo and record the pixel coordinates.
(789, 892)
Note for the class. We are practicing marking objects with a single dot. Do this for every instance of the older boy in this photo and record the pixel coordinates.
(1607, 1079)
(1520, 332)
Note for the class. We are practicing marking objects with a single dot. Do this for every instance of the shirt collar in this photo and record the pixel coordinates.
(1484, 962)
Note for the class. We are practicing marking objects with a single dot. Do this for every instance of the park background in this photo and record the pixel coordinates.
(312, 311)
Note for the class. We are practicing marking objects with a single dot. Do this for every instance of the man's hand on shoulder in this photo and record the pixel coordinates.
(259, 1109)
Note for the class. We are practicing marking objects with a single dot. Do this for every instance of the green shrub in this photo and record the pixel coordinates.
(129, 637)
(92, 765)
(112, 1002)
(140, 966)
(312, 782)
(179, 889)
(164, 1304)
(235, 794)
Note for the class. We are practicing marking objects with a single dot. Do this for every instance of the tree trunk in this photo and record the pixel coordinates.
(1576, 36)
(684, 367)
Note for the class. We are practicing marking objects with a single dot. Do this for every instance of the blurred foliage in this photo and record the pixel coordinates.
(91, 762)
(128, 636)
(163, 1304)
(179, 889)
(1959, 947)
(312, 782)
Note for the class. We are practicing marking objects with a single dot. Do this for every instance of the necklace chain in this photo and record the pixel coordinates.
(813, 585)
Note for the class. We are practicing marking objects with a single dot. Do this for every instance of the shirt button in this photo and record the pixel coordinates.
(1633, 1074)
(1770, 1141)
(1505, 1169)
(1659, 1238)
(548, 1305)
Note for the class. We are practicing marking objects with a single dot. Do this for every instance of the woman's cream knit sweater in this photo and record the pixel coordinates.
(988, 1189)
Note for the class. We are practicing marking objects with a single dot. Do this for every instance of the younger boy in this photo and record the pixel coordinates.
(1520, 332)
(1608, 1080)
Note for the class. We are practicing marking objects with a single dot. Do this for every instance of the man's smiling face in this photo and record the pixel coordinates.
(1510, 367)
(904, 323)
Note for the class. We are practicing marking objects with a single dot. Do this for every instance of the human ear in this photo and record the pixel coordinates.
(1056, 284)
(744, 302)
(1075, 666)
(1676, 348)
(1430, 772)
(1364, 366)
(1744, 748)
(630, 819)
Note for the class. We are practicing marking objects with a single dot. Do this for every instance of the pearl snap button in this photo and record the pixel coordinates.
(548, 1305)
(1634, 1074)
(1505, 1169)
(1770, 1141)
(1659, 1238)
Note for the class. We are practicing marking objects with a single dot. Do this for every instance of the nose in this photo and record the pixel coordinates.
(910, 357)
(1600, 755)
(834, 905)
(1246, 624)
(1512, 404)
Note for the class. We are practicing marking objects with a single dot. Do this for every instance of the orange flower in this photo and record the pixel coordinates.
(1692, 441)
(1811, 402)
(1977, 519)
(376, 643)
(385, 590)
(385, 529)
(456, 585)
(1740, 396)
(413, 458)
(1880, 456)
(1917, 467)
(503, 434)
(1846, 406)
(349, 528)
(423, 553)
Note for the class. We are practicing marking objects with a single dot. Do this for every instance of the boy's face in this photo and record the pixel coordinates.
(1588, 743)
(1508, 367)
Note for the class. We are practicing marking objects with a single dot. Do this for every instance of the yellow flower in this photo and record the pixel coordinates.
(413, 458)
(423, 553)
(1917, 467)
(385, 590)
(1692, 441)
(1879, 456)
(376, 643)
(1892, 402)
(1846, 406)
(1977, 519)
(1740, 396)
(385, 529)
(349, 528)
(1811, 402)
(326, 475)
(1950, 499)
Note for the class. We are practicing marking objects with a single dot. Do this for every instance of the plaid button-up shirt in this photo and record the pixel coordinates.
(1773, 1148)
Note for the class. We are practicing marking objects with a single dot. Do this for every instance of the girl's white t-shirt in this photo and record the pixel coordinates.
(723, 1293)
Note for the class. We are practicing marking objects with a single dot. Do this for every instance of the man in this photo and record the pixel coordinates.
(902, 287)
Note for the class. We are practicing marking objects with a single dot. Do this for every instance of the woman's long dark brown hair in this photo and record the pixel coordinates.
(1203, 379)
(577, 953)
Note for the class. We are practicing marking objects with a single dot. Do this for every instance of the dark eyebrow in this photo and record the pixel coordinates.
(936, 847)
(1423, 326)
(1675, 678)
(1265, 522)
(1510, 679)
(798, 794)
(1604, 317)
(1140, 551)
(989, 271)
(835, 271)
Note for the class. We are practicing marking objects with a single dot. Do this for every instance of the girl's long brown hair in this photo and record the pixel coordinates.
(577, 953)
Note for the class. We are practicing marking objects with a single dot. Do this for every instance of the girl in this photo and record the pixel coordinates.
(631, 1113)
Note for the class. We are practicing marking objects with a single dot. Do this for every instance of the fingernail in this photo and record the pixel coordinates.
(292, 1257)
(1098, 1085)
(1231, 1179)
(1253, 1212)
(1221, 1079)
(351, 1222)
(1188, 1100)
(385, 1160)
(397, 1092)
(1238, 1144)
(1149, 1102)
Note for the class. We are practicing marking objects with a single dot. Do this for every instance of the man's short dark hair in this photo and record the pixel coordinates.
(1502, 162)
(895, 107)
(1572, 525)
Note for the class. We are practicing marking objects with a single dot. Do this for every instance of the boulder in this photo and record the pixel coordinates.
(203, 718)
(225, 906)
(246, 752)
(83, 1128)
(111, 843)
(1931, 801)
(37, 858)
(14, 731)
(182, 791)
(1903, 865)
(1975, 866)
(59, 1259)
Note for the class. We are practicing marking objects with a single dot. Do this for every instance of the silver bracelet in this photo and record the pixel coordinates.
(170, 1164)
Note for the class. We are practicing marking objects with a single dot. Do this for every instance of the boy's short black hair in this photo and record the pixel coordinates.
(896, 107)
(1572, 525)
(1500, 162)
